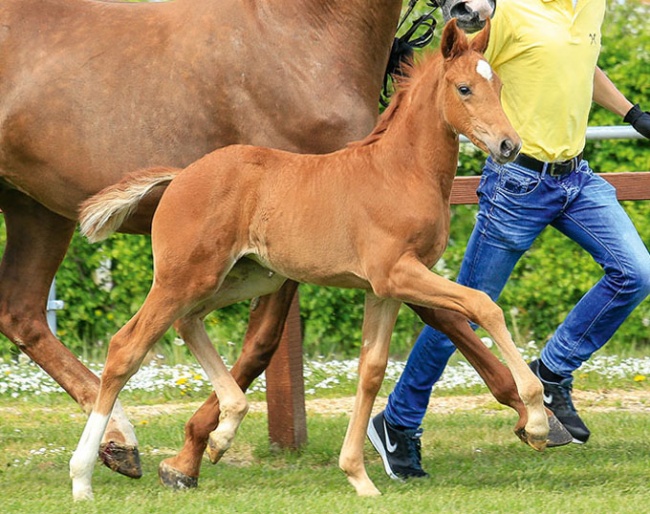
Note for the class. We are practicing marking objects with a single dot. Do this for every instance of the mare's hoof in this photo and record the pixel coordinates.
(558, 435)
(174, 479)
(124, 460)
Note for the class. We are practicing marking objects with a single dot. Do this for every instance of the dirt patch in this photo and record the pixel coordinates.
(597, 401)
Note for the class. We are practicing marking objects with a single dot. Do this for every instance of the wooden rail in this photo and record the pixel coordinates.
(629, 186)
(285, 392)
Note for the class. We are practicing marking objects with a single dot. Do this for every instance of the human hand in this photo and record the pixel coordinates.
(639, 120)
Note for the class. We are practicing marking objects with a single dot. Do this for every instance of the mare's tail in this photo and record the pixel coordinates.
(103, 213)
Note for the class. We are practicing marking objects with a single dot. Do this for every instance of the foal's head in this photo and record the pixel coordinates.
(471, 94)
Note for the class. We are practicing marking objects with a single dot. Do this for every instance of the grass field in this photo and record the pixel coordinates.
(476, 463)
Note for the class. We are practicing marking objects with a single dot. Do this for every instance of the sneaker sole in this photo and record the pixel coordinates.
(376, 441)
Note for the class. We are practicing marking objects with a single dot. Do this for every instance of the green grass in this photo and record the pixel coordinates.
(477, 466)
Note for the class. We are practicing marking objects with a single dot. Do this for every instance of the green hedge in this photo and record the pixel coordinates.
(546, 283)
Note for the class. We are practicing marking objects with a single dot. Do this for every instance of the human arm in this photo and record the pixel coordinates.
(607, 95)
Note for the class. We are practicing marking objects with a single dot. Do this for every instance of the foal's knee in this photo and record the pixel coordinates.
(487, 312)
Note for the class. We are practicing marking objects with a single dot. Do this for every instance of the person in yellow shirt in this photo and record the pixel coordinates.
(545, 52)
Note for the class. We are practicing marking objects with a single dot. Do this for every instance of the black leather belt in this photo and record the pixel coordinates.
(552, 168)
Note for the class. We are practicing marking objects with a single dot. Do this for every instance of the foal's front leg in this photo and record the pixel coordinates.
(378, 322)
(412, 282)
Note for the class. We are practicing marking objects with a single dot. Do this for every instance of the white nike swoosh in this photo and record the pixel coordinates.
(548, 398)
(389, 446)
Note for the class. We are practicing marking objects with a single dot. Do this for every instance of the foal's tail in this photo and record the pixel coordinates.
(103, 213)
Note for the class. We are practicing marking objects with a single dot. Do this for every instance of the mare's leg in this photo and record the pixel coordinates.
(378, 322)
(37, 240)
(411, 282)
(262, 339)
(493, 372)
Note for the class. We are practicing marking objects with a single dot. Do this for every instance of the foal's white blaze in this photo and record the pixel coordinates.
(84, 457)
(484, 69)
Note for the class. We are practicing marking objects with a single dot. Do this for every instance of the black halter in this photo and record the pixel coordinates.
(403, 46)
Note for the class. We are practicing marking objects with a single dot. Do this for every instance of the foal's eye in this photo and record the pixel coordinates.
(464, 90)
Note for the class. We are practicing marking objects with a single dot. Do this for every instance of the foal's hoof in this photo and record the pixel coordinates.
(124, 460)
(558, 435)
(174, 479)
(215, 451)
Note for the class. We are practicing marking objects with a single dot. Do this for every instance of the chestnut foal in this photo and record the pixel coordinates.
(242, 220)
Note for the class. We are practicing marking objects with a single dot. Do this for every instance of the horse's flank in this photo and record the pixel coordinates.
(142, 78)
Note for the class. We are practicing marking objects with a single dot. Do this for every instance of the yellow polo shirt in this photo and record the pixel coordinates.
(545, 52)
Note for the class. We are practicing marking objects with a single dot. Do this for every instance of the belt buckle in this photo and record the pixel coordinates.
(551, 169)
(557, 169)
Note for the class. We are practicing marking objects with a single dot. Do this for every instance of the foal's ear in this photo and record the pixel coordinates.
(480, 42)
(453, 41)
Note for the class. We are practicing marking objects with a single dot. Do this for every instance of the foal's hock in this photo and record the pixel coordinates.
(375, 215)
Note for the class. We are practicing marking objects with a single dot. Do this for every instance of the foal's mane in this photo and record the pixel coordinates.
(410, 73)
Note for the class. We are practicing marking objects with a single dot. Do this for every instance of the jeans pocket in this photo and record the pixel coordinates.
(513, 182)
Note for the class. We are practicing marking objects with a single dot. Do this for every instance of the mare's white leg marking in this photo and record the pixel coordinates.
(484, 69)
(84, 457)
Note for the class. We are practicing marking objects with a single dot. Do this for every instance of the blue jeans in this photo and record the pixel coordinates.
(515, 205)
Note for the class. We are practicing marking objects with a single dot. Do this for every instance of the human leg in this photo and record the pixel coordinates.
(597, 222)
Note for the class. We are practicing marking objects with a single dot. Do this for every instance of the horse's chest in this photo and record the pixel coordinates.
(432, 237)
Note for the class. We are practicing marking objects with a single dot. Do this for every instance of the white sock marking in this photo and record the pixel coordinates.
(84, 457)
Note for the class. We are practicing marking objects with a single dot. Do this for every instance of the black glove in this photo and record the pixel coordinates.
(639, 120)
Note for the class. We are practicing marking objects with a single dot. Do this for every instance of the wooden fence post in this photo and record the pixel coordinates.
(285, 387)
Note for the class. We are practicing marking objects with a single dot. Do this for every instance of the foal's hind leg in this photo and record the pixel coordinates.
(378, 322)
(126, 350)
(37, 240)
(262, 339)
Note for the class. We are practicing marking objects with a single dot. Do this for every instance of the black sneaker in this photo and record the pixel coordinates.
(557, 397)
(399, 449)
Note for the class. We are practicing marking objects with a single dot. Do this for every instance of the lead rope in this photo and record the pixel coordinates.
(404, 46)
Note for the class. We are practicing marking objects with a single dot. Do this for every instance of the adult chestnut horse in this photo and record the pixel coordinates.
(374, 215)
(167, 83)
